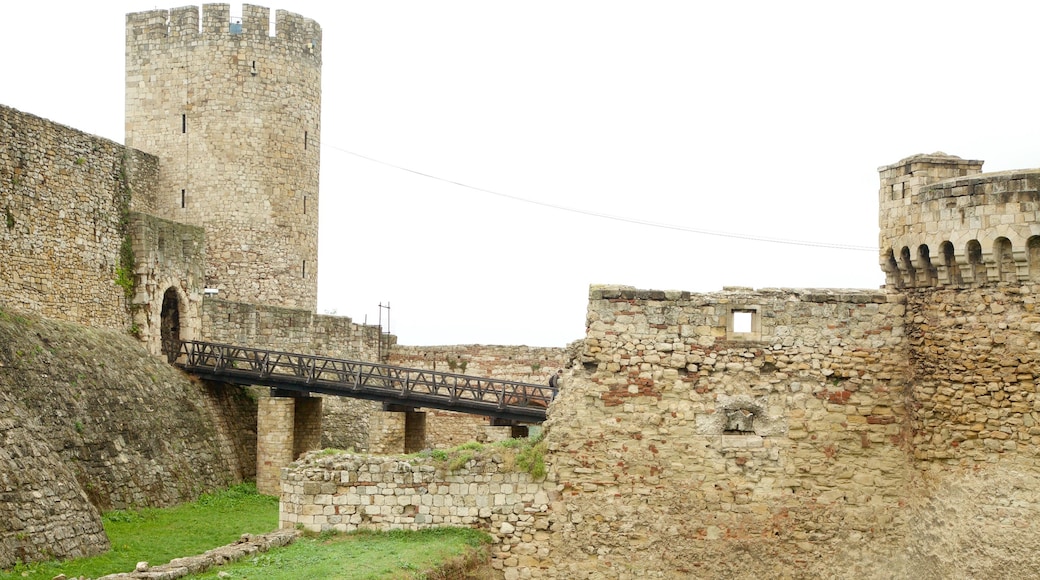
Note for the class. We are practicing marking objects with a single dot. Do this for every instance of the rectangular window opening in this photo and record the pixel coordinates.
(183, 198)
(304, 139)
(305, 205)
(305, 268)
(742, 321)
(184, 123)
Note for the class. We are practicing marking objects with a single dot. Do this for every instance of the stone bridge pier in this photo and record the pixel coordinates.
(288, 424)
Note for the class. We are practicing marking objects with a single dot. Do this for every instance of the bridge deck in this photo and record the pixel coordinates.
(511, 400)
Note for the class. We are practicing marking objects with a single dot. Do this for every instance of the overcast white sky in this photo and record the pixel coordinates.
(756, 119)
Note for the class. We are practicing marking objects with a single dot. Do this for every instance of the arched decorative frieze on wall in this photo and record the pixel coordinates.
(952, 269)
(1004, 260)
(891, 267)
(1033, 257)
(944, 222)
(909, 272)
(1008, 262)
(975, 264)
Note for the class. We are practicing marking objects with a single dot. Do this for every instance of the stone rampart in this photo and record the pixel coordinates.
(732, 434)
(65, 198)
(346, 492)
(94, 422)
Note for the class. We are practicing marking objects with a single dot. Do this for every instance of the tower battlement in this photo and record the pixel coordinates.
(945, 223)
(294, 32)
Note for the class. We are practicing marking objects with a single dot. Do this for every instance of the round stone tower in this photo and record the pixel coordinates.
(945, 223)
(233, 113)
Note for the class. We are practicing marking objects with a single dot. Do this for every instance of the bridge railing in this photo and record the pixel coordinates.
(246, 364)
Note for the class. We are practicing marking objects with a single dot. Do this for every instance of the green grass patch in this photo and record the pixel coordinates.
(160, 535)
(524, 454)
(359, 556)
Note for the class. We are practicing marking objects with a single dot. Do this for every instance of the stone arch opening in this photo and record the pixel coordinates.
(930, 276)
(1033, 256)
(978, 270)
(949, 257)
(170, 324)
(1006, 269)
(908, 267)
(891, 267)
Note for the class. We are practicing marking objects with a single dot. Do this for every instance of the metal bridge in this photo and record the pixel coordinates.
(391, 385)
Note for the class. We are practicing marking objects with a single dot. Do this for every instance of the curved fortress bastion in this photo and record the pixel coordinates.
(944, 223)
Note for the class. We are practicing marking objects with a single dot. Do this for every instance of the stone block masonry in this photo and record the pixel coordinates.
(64, 202)
(345, 492)
(685, 433)
(234, 114)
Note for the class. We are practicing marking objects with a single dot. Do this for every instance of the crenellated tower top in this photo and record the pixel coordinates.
(292, 30)
(945, 223)
(234, 114)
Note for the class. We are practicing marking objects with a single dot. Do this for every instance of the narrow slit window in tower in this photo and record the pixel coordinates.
(304, 139)
(183, 198)
(305, 205)
(304, 268)
(184, 123)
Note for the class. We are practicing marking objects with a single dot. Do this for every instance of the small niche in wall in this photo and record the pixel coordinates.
(739, 422)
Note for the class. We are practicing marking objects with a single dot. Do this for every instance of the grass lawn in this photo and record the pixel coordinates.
(160, 535)
(359, 556)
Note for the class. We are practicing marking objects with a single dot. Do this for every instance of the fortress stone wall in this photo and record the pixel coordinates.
(808, 433)
(91, 422)
(65, 199)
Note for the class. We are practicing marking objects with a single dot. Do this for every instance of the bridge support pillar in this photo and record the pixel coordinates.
(286, 427)
(397, 430)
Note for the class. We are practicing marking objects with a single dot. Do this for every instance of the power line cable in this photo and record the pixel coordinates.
(648, 223)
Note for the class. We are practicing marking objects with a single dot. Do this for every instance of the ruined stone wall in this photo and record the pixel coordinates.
(234, 113)
(732, 434)
(65, 197)
(975, 419)
(94, 422)
(346, 492)
(446, 429)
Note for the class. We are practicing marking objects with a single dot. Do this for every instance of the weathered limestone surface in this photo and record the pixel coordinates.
(91, 422)
(64, 198)
(234, 114)
(681, 447)
(346, 492)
